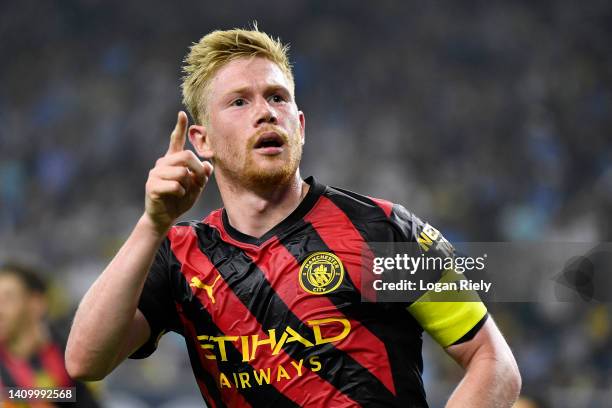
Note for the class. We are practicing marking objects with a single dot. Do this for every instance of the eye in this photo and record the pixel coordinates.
(277, 98)
(238, 102)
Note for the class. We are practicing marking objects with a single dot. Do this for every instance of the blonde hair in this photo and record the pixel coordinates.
(218, 48)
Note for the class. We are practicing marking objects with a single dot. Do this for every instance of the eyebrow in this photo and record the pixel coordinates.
(246, 89)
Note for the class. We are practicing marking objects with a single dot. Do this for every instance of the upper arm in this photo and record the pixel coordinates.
(491, 377)
(449, 316)
(488, 343)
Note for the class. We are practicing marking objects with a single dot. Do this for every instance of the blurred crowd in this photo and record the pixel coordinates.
(491, 120)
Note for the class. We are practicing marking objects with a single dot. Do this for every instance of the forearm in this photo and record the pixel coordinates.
(107, 326)
(490, 381)
(107, 310)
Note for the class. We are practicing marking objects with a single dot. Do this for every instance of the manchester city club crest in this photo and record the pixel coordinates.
(321, 273)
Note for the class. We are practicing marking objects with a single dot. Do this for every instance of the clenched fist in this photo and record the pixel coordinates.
(176, 181)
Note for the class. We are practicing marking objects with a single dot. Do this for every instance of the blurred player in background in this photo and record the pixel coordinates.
(266, 291)
(30, 355)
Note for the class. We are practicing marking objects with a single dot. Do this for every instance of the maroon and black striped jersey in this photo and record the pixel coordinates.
(265, 326)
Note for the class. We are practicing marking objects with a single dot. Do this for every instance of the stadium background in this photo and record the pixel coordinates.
(490, 120)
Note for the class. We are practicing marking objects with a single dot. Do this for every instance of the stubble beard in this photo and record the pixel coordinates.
(253, 176)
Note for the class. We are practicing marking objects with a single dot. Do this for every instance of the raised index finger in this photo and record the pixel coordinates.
(177, 137)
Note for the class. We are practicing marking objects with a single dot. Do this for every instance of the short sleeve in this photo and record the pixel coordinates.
(447, 322)
(156, 303)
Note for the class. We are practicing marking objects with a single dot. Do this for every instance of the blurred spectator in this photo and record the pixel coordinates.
(30, 356)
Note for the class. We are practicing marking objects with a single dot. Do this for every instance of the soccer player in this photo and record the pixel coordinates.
(30, 355)
(266, 290)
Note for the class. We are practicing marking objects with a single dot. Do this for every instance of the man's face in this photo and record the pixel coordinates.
(14, 307)
(254, 132)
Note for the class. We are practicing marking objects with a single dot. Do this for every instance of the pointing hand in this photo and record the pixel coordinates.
(176, 181)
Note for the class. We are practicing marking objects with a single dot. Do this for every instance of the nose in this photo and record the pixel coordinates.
(265, 113)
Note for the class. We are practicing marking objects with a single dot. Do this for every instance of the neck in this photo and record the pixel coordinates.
(28, 342)
(256, 212)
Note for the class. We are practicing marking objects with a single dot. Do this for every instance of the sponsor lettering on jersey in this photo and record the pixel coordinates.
(328, 330)
(268, 375)
(429, 235)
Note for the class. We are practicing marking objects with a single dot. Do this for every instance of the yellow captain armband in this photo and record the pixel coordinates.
(445, 320)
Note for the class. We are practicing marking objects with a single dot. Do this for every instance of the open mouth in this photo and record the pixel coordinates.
(270, 139)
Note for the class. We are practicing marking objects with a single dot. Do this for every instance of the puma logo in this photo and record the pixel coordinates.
(197, 283)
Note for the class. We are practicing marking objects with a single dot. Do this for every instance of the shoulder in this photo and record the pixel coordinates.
(357, 205)
(374, 212)
(185, 231)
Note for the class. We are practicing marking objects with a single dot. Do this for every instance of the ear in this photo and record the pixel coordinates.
(200, 141)
(302, 119)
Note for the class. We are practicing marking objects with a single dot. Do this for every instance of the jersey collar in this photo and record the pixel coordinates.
(314, 192)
